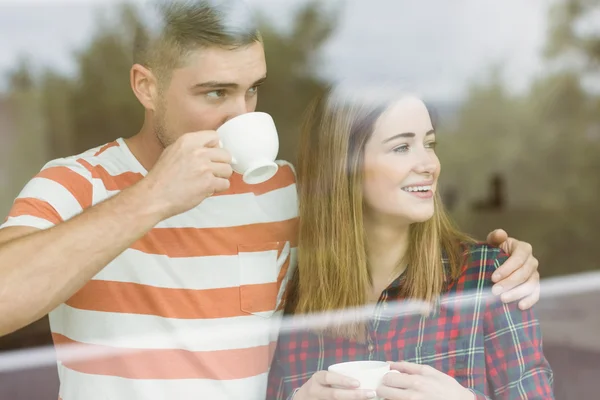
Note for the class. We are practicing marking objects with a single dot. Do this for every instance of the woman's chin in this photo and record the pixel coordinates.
(421, 216)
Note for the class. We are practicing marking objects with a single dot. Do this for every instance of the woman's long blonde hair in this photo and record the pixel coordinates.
(332, 269)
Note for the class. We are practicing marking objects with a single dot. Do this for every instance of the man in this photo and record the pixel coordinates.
(149, 253)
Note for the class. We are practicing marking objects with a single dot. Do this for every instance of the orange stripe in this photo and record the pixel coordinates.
(35, 208)
(80, 187)
(283, 178)
(194, 242)
(106, 147)
(133, 298)
(111, 182)
(165, 363)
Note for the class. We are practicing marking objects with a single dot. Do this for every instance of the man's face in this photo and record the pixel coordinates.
(214, 86)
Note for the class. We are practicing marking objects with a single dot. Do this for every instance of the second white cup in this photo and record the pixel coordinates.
(253, 142)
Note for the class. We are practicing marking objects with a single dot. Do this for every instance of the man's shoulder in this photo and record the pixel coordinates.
(96, 155)
(111, 164)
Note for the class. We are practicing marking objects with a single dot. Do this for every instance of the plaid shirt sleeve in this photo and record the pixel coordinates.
(517, 368)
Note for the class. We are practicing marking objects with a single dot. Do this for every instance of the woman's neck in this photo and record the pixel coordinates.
(386, 248)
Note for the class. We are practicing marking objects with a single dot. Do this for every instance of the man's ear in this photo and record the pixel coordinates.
(144, 86)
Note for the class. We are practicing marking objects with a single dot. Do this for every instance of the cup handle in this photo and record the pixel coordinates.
(233, 160)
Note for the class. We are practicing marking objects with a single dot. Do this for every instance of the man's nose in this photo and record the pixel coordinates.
(238, 107)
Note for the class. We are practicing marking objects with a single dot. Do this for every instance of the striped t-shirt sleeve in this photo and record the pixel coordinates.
(60, 191)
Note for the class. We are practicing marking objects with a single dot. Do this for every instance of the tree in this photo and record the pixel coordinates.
(569, 33)
(102, 104)
(27, 141)
(292, 61)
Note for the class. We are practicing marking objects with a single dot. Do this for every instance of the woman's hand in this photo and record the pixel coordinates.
(325, 385)
(421, 382)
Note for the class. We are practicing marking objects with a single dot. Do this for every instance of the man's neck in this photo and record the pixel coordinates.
(145, 147)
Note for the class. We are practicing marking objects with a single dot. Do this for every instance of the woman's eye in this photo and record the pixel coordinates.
(401, 149)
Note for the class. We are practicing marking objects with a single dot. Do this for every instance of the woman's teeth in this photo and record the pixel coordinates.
(417, 188)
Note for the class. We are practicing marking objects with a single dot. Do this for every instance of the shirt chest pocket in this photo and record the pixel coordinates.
(262, 268)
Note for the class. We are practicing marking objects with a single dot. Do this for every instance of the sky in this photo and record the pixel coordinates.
(436, 46)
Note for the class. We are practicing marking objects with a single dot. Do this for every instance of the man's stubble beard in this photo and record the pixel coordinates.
(160, 128)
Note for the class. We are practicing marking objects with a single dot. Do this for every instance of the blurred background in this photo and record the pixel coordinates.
(515, 86)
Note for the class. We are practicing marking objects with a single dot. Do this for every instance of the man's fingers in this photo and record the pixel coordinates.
(221, 170)
(497, 237)
(521, 291)
(221, 185)
(520, 253)
(532, 299)
(201, 139)
(218, 155)
(523, 271)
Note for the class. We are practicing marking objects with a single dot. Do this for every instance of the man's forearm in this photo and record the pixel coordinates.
(42, 270)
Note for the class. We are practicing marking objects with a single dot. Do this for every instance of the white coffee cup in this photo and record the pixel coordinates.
(369, 373)
(252, 140)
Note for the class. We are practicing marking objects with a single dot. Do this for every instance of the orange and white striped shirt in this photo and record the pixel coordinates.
(187, 312)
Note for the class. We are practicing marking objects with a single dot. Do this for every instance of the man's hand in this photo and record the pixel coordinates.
(417, 381)
(518, 278)
(187, 172)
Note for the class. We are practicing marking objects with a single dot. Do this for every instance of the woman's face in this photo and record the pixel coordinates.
(401, 167)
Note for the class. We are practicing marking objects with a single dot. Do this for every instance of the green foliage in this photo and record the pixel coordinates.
(568, 33)
(292, 60)
(546, 144)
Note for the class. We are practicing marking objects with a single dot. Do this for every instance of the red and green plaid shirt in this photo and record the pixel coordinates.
(494, 349)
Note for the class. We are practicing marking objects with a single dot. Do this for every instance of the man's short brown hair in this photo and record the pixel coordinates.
(184, 26)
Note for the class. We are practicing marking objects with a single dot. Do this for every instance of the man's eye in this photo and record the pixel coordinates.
(216, 94)
(253, 90)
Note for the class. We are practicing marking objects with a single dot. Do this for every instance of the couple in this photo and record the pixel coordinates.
(140, 248)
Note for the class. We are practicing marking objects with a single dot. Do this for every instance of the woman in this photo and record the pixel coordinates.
(373, 231)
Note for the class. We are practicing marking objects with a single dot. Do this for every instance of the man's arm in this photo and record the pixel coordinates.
(40, 269)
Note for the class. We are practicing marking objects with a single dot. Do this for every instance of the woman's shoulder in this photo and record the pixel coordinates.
(480, 262)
